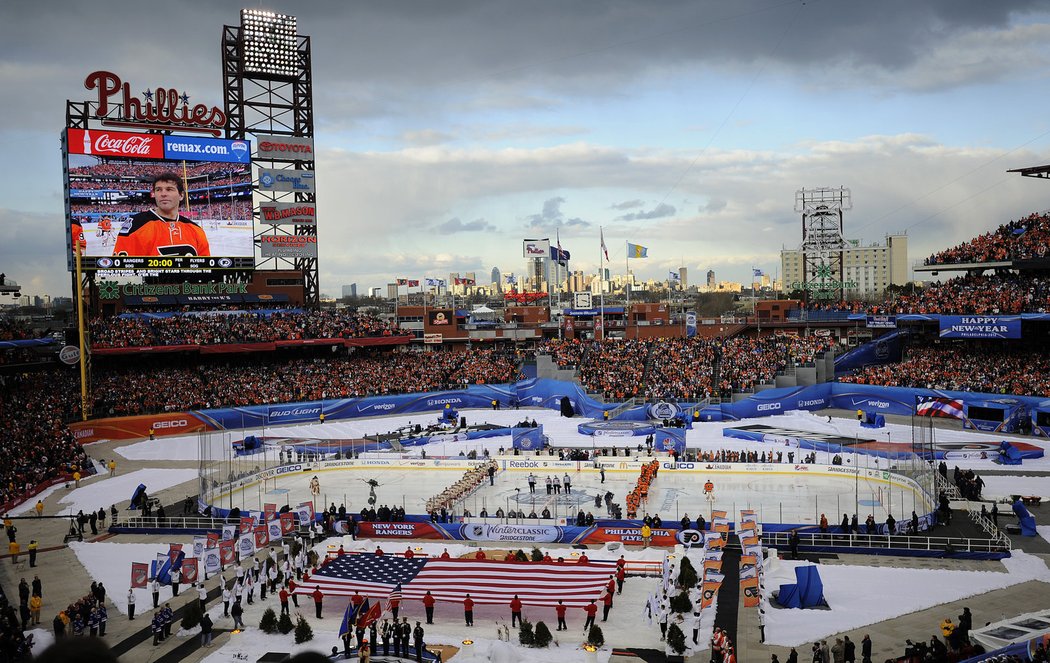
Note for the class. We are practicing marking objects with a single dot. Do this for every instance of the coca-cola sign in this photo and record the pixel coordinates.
(102, 142)
(159, 108)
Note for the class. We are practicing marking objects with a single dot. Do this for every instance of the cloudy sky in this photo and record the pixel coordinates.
(449, 131)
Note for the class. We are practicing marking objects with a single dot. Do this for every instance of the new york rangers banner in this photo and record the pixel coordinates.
(287, 523)
(189, 570)
(139, 574)
(226, 552)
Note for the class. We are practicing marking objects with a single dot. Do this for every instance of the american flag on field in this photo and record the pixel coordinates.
(487, 581)
(939, 407)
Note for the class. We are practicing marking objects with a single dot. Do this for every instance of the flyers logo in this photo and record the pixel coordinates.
(177, 250)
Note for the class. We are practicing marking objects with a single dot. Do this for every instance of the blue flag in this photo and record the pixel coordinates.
(348, 620)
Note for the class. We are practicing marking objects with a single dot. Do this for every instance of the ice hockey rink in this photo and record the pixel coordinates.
(775, 496)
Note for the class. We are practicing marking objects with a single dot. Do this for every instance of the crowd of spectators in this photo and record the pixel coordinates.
(565, 353)
(1021, 239)
(681, 368)
(747, 362)
(233, 327)
(35, 442)
(615, 367)
(968, 366)
(238, 209)
(993, 294)
(15, 330)
(140, 390)
(143, 172)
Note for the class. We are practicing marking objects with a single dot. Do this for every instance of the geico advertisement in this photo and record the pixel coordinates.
(129, 428)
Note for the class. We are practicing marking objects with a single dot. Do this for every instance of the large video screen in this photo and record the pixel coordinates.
(156, 203)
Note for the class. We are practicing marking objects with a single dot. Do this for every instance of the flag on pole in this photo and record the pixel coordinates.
(370, 614)
(674, 276)
(637, 251)
(756, 272)
(605, 250)
(487, 581)
(348, 620)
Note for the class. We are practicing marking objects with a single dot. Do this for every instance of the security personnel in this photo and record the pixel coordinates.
(32, 553)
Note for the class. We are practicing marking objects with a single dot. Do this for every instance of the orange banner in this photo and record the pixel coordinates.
(709, 592)
(713, 564)
(130, 428)
(749, 592)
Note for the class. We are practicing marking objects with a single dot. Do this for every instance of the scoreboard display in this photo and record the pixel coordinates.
(120, 197)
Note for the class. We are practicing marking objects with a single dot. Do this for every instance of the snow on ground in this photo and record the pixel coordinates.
(110, 564)
(1044, 531)
(111, 490)
(29, 505)
(1000, 485)
(886, 592)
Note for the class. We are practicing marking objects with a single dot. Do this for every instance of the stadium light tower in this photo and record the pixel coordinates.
(268, 86)
(822, 242)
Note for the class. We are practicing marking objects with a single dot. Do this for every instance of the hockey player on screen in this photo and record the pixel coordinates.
(162, 231)
(104, 229)
(77, 232)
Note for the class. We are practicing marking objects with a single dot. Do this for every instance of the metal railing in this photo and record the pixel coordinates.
(779, 540)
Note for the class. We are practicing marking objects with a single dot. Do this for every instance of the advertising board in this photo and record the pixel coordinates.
(288, 246)
(122, 219)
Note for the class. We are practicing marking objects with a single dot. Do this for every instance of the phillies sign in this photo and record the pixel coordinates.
(162, 108)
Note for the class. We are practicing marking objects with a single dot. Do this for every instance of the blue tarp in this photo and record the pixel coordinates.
(136, 495)
(1024, 519)
(1008, 454)
(807, 592)
(527, 439)
(670, 440)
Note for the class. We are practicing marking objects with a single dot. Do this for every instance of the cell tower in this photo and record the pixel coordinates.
(822, 242)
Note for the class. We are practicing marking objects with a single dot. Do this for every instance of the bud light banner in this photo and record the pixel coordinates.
(670, 440)
(980, 326)
(528, 439)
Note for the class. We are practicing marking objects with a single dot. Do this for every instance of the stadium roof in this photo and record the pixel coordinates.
(1033, 171)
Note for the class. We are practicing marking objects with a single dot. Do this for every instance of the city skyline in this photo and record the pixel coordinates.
(447, 134)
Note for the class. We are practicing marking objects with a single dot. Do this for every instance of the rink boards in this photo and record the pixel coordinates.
(293, 478)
